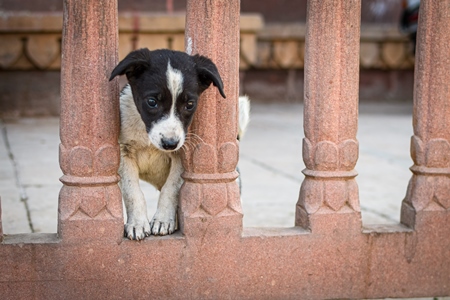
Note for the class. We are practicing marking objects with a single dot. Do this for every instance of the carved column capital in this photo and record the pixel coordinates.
(429, 188)
(210, 194)
(330, 148)
(90, 206)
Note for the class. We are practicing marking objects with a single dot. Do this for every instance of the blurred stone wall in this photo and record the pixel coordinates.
(272, 49)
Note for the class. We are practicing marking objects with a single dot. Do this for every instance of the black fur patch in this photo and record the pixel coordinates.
(146, 74)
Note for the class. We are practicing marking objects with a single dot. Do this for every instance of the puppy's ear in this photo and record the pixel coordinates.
(133, 64)
(207, 73)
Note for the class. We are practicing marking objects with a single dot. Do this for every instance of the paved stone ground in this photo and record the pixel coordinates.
(270, 164)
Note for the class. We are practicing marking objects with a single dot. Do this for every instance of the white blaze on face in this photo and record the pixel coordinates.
(174, 82)
(170, 126)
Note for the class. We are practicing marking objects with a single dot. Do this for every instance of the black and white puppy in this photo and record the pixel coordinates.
(156, 109)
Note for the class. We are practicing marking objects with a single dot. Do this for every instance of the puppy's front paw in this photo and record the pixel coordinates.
(163, 223)
(137, 229)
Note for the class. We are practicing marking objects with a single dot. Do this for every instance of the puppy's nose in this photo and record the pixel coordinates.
(169, 144)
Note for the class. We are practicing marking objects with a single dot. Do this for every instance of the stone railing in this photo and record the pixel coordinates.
(382, 47)
(328, 254)
(33, 41)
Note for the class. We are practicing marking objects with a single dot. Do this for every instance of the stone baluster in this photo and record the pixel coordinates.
(90, 205)
(329, 193)
(210, 197)
(428, 192)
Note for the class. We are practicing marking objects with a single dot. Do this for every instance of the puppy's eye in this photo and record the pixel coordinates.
(190, 105)
(152, 103)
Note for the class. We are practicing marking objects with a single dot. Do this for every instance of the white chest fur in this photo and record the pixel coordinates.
(153, 164)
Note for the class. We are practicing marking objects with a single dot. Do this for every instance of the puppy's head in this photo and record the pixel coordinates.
(166, 86)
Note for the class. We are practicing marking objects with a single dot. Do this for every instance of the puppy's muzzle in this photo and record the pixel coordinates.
(169, 144)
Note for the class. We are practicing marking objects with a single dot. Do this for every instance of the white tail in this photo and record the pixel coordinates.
(244, 115)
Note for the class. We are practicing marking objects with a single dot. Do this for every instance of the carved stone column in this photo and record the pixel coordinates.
(330, 148)
(90, 205)
(429, 188)
(210, 197)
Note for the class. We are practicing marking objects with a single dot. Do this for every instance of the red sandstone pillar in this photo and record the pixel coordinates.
(329, 192)
(90, 205)
(209, 198)
(429, 188)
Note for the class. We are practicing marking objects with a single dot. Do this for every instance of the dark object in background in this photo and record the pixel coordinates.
(409, 20)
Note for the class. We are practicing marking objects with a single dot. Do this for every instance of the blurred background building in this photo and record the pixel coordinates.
(272, 49)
